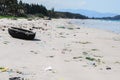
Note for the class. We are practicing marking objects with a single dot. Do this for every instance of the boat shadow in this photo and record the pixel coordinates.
(36, 40)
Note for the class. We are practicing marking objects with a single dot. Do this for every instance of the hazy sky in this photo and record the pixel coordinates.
(97, 5)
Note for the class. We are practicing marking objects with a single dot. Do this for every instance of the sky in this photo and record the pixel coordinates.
(104, 6)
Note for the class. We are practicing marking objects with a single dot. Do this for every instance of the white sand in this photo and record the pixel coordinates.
(57, 53)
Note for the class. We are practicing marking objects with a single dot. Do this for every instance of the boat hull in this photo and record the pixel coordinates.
(21, 33)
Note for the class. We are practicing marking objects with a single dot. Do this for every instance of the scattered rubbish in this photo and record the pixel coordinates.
(84, 53)
(45, 24)
(94, 49)
(62, 27)
(16, 78)
(86, 33)
(62, 36)
(47, 18)
(66, 60)
(51, 56)
(98, 56)
(78, 28)
(116, 39)
(48, 68)
(4, 26)
(5, 42)
(65, 49)
(91, 59)
(63, 52)
(31, 51)
(74, 35)
(70, 28)
(14, 18)
(3, 69)
(108, 68)
(19, 72)
(30, 29)
(77, 57)
(38, 28)
(22, 43)
(15, 71)
(69, 23)
(117, 62)
(29, 19)
(94, 64)
(34, 52)
(85, 66)
(101, 68)
(3, 29)
(84, 42)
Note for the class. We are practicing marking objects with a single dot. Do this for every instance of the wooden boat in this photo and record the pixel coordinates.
(21, 33)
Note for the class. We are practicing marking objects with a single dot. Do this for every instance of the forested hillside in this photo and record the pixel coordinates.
(20, 9)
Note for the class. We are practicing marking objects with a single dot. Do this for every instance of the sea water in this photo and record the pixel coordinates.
(109, 25)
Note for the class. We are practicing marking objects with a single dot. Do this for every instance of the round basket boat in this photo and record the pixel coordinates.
(21, 33)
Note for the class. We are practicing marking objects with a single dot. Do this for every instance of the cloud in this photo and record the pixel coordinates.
(59, 4)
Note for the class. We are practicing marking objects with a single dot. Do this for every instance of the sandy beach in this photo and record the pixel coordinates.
(61, 51)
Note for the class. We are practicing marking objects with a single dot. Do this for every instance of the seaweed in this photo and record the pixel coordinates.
(62, 27)
(77, 57)
(94, 49)
(90, 59)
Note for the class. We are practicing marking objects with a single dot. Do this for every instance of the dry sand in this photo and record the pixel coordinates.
(60, 51)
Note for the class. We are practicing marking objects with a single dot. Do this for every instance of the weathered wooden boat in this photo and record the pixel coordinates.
(21, 33)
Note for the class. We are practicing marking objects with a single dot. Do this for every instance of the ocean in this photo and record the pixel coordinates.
(109, 25)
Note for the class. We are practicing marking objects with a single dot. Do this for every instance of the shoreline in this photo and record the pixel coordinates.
(62, 51)
(111, 26)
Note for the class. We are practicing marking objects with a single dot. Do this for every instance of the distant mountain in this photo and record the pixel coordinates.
(70, 15)
(89, 13)
(116, 17)
(112, 18)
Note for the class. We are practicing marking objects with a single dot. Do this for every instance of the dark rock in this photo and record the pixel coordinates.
(15, 78)
(3, 29)
(78, 28)
(108, 68)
